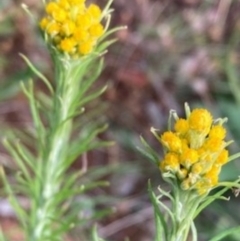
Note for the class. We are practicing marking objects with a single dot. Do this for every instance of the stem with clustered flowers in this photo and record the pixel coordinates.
(194, 153)
(76, 52)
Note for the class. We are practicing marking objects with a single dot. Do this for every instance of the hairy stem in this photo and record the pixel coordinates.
(55, 153)
(184, 210)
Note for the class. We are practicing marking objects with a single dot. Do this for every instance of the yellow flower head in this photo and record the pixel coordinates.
(222, 158)
(65, 4)
(181, 126)
(212, 175)
(194, 151)
(170, 162)
(171, 141)
(53, 28)
(217, 131)
(213, 144)
(96, 30)
(95, 11)
(200, 120)
(68, 28)
(81, 35)
(43, 23)
(86, 47)
(67, 45)
(52, 7)
(75, 25)
(188, 157)
(84, 21)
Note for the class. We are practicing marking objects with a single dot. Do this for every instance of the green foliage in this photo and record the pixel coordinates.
(148, 152)
(45, 154)
(226, 233)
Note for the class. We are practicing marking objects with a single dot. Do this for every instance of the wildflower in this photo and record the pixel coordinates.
(217, 131)
(181, 126)
(171, 141)
(213, 144)
(189, 157)
(67, 45)
(86, 47)
(76, 27)
(194, 154)
(200, 120)
(170, 163)
(195, 151)
(222, 158)
(212, 175)
(95, 11)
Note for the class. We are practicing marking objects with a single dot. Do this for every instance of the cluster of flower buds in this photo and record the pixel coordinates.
(195, 151)
(72, 27)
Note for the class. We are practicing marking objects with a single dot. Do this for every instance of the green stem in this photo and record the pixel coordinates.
(55, 153)
(184, 209)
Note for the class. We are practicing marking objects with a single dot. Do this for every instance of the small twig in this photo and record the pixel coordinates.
(84, 163)
(130, 220)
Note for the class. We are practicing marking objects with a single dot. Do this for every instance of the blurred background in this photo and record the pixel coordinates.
(173, 51)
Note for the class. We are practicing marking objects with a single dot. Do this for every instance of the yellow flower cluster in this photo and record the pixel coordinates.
(195, 151)
(73, 27)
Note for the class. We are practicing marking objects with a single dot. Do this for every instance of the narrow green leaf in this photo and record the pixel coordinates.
(209, 199)
(161, 225)
(92, 96)
(45, 100)
(100, 144)
(166, 194)
(105, 45)
(194, 232)
(146, 154)
(35, 113)
(26, 156)
(95, 235)
(86, 84)
(233, 157)
(27, 136)
(226, 233)
(82, 143)
(25, 90)
(68, 193)
(17, 158)
(107, 8)
(21, 214)
(71, 179)
(149, 153)
(38, 73)
(111, 31)
(99, 172)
